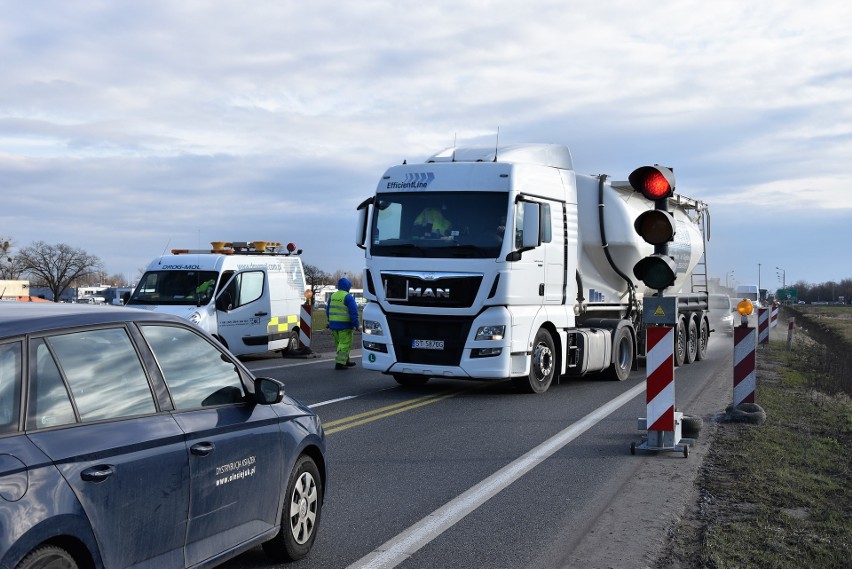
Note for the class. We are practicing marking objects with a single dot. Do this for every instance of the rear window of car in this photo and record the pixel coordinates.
(10, 386)
(99, 369)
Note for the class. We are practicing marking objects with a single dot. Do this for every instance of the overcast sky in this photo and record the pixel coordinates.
(129, 128)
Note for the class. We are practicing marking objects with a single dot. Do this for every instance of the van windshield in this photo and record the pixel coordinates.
(439, 224)
(175, 287)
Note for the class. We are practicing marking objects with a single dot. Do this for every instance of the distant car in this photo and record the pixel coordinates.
(721, 314)
(131, 438)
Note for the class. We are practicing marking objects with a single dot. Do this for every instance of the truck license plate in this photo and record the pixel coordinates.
(427, 344)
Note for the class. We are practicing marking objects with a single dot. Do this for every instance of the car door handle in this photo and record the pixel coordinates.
(97, 473)
(261, 313)
(202, 449)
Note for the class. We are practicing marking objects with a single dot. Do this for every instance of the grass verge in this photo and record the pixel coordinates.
(779, 494)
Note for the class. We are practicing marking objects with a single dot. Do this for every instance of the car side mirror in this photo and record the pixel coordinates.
(268, 391)
(224, 302)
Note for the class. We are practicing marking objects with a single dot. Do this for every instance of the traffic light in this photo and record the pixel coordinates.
(656, 226)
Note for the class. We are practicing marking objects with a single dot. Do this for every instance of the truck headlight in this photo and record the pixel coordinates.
(490, 332)
(373, 328)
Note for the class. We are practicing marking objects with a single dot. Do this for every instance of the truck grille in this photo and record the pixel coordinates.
(444, 292)
(450, 330)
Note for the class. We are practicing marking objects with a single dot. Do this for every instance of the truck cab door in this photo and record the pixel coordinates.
(243, 312)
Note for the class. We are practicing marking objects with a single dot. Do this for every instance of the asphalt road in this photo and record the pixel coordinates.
(475, 475)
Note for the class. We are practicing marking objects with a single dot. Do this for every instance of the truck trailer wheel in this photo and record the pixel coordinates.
(622, 355)
(703, 339)
(542, 367)
(691, 340)
(680, 342)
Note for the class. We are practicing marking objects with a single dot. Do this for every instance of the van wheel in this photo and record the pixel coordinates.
(622, 355)
(48, 557)
(301, 516)
(292, 343)
(691, 341)
(542, 367)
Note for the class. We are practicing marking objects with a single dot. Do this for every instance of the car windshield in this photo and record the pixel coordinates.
(439, 224)
(175, 287)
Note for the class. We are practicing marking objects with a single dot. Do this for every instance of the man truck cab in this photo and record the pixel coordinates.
(246, 294)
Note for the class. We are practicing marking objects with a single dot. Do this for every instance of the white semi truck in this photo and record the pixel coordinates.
(248, 294)
(505, 263)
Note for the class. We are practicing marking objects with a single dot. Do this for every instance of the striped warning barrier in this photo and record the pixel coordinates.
(659, 362)
(745, 360)
(762, 326)
(773, 315)
(305, 326)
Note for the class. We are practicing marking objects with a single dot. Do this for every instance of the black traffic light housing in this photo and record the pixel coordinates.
(655, 226)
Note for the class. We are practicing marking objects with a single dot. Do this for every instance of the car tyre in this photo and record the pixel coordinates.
(293, 343)
(48, 557)
(301, 514)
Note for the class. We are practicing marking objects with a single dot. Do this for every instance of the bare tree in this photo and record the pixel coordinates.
(315, 278)
(8, 267)
(56, 266)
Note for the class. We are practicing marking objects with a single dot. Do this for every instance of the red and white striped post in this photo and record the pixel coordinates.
(763, 326)
(660, 392)
(305, 326)
(745, 362)
(773, 315)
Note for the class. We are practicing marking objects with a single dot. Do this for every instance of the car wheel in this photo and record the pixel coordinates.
(301, 516)
(542, 367)
(48, 557)
(410, 380)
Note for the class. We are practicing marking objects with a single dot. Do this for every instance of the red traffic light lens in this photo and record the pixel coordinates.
(655, 182)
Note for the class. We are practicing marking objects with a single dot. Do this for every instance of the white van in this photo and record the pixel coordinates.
(750, 292)
(246, 294)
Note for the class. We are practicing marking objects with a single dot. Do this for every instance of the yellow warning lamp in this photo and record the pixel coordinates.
(745, 307)
(308, 294)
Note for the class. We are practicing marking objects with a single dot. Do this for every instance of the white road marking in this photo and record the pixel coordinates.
(404, 545)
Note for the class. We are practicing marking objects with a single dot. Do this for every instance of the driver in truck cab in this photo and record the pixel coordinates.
(434, 218)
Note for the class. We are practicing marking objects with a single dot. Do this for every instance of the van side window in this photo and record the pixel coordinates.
(197, 373)
(245, 288)
(10, 386)
(104, 372)
(48, 402)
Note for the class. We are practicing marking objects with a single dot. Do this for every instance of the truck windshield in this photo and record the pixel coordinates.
(175, 287)
(439, 224)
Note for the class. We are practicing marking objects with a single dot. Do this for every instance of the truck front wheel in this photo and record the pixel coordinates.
(542, 367)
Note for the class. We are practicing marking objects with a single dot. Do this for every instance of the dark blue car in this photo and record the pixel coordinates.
(131, 438)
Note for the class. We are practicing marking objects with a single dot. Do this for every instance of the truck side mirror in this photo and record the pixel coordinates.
(361, 224)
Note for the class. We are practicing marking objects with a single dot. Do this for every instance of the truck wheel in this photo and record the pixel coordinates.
(542, 367)
(622, 355)
(703, 340)
(691, 341)
(680, 342)
(410, 380)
